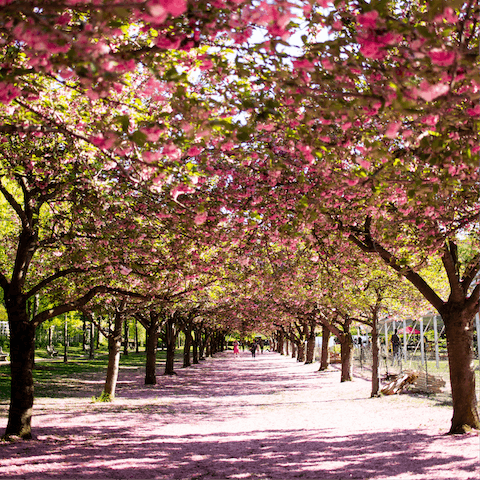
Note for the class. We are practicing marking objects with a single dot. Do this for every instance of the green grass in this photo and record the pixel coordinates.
(53, 378)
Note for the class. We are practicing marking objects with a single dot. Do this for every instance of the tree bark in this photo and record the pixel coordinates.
(195, 360)
(301, 351)
(125, 337)
(91, 352)
(22, 352)
(310, 357)
(114, 347)
(170, 340)
(186, 348)
(324, 357)
(346, 357)
(459, 333)
(375, 358)
(151, 354)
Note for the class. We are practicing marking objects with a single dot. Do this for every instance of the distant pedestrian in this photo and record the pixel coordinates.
(395, 346)
(253, 348)
(236, 351)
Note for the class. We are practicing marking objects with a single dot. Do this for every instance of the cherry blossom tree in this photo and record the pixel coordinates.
(369, 136)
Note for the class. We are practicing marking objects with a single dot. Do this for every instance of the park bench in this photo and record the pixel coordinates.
(3, 355)
(51, 351)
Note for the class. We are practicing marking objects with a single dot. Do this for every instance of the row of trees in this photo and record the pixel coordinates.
(152, 151)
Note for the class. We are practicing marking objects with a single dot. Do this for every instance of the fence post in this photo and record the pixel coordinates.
(422, 346)
(437, 358)
(477, 319)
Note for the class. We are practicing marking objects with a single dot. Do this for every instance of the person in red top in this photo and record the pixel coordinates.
(236, 351)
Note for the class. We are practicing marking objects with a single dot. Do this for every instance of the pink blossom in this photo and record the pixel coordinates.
(448, 14)
(200, 218)
(363, 163)
(193, 151)
(393, 129)
(304, 64)
(168, 43)
(160, 8)
(181, 190)
(474, 112)
(152, 133)
(431, 120)
(431, 92)
(8, 92)
(172, 151)
(125, 270)
(368, 19)
(372, 48)
(441, 57)
(150, 157)
(327, 64)
(103, 141)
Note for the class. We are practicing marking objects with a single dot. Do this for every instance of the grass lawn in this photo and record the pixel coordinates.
(53, 378)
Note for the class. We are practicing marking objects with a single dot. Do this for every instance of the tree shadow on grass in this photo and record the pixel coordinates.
(117, 453)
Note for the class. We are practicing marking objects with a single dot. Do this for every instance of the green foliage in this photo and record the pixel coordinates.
(103, 398)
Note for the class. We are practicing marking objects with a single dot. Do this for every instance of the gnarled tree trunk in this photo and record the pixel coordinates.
(22, 353)
(459, 333)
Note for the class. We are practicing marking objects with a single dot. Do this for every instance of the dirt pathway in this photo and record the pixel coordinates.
(268, 417)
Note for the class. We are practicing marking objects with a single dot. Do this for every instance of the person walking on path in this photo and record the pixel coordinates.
(253, 348)
(236, 351)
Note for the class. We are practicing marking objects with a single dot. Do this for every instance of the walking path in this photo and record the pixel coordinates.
(267, 417)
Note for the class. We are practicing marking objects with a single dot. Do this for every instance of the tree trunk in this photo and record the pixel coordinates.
(310, 347)
(151, 351)
(324, 361)
(187, 346)
(22, 352)
(91, 353)
(375, 359)
(346, 357)
(137, 349)
(202, 342)
(65, 340)
(114, 347)
(195, 360)
(459, 333)
(301, 351)
(170, 339)
(125, 337)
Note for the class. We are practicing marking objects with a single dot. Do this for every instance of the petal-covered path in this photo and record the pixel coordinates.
(267, 417)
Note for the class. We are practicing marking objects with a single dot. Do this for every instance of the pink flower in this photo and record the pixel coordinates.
(431, 92)
(181, 190)
(368, 19)
(441, 57)
(431, 120)
(200, 218)
(160, 8)
(193, 151)
(371, 48)
(474, 112)
(125, 270)
(392, 130)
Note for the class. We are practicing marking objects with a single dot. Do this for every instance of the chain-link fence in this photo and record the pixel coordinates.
(425, 355)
